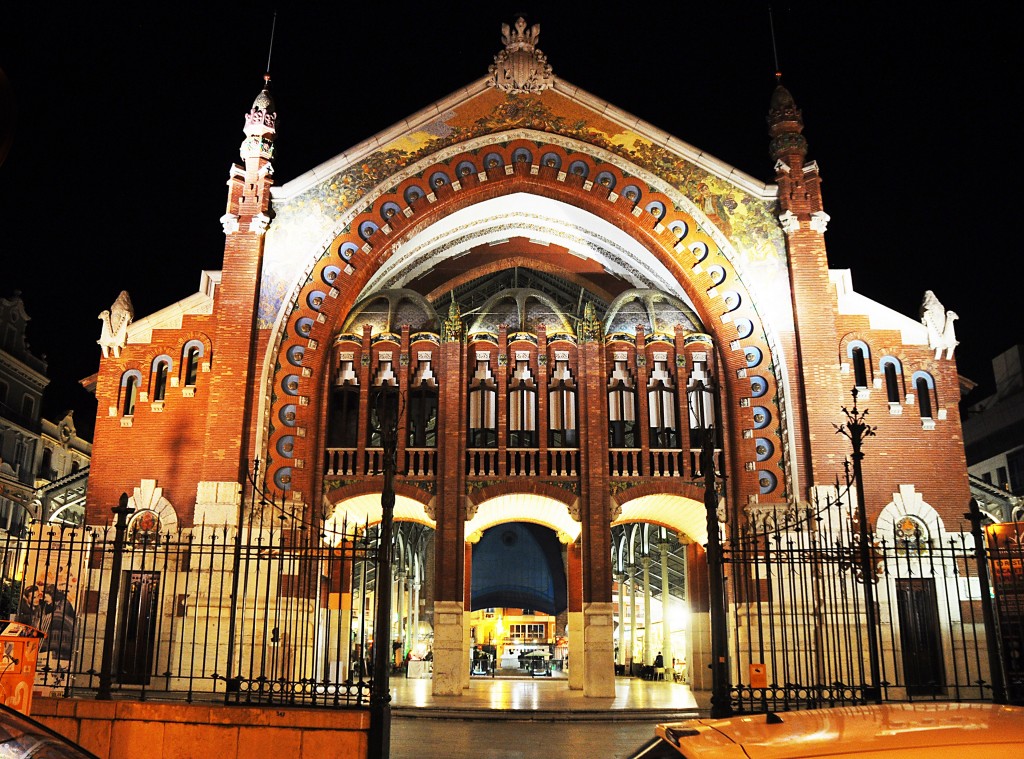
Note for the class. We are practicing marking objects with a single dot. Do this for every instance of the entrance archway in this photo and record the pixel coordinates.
(523, 585)
(658, 557)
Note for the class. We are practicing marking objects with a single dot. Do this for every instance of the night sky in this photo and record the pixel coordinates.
(127, 122)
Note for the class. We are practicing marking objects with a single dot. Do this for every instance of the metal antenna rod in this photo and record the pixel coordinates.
(270, 48)
(775, 51)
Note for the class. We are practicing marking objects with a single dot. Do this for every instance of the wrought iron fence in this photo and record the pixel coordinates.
(261, 616)
(799, 635)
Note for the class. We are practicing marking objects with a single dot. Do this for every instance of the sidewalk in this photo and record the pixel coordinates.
(547, 699)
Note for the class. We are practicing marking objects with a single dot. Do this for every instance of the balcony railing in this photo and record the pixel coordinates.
(523, 462)
(340, 461)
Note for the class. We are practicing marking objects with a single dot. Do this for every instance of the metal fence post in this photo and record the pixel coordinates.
(855, 430)
(121, 513)
(995, 664)
(380, 687)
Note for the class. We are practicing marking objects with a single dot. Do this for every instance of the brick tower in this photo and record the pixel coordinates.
(228, 445)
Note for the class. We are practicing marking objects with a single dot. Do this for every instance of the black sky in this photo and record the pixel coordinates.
(127, 122)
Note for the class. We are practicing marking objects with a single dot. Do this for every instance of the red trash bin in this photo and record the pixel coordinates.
(19, 649)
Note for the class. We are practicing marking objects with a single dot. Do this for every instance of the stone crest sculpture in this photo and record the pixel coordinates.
(939, 323)
(115, 321)
(521, 66)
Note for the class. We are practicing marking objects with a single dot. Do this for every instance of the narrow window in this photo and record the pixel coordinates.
(27, 406)
(860, 372)
(924, 397)
(191, 366)
(160, 380)
(700, 400)
(892, 382)
(661, 399)
(343, 414)
(131, 393)
(383, 403)
(46, 464)
(621, 408)
(562, 407)
(423, 408)
(483, 417)
(522, 407)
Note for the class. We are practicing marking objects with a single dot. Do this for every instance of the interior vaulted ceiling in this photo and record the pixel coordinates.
(528, 231)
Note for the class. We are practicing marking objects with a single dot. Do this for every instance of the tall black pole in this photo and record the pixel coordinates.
(856, 429)
(704, 398)
(121, 513)
(380, 688)
(995, 664)
(231, 682)
(720, 702)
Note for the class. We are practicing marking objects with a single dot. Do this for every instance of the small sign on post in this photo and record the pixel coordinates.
(758, 675)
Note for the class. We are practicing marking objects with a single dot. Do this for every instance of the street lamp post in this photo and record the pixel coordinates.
(704, 395)
(855, 430)
(380, 689)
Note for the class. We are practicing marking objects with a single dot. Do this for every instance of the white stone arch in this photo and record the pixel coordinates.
(365, 510)
(685, 516)
(908, 502)
(524, 507)
(148, 497)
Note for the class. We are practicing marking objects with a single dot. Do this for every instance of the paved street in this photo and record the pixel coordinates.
(515, 739)
(523, 719)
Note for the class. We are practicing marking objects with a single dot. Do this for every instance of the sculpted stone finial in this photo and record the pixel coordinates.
(521, 66)
(451, 329)
(590, 325)
(939, 323)
(114, 332)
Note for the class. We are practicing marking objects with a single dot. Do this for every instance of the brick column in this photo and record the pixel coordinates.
(450, 618)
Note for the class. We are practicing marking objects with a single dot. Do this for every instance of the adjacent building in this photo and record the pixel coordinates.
(43, 465)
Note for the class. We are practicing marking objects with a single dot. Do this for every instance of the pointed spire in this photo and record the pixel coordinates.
(260, 126)
(785, 126)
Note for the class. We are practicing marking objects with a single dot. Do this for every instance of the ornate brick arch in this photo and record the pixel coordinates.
(681, 240)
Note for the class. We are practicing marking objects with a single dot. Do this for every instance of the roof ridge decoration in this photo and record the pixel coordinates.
(521, 66)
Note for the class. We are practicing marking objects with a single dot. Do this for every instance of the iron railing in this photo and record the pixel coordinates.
(302, 620)
(799, 636)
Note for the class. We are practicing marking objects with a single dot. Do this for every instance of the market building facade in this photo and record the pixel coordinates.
(556, 301)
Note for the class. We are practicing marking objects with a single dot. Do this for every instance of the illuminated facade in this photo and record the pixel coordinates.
(550, 284)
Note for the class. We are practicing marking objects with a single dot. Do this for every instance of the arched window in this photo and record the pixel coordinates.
(483, 416)
(892, 370)
(130, 382)
(661, 411)
(161, 370)
(622, 408)
(343, 414)
(860, 358)
(191, 367)
(562, 407)
(423, 407)
(522, 407)
(190, 356)
(924, 386)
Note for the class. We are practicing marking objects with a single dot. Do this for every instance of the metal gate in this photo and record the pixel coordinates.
(798, 623)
